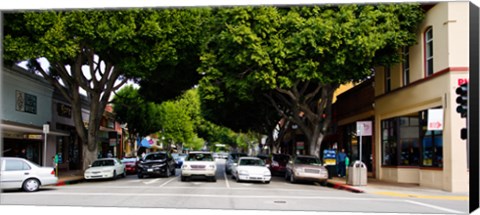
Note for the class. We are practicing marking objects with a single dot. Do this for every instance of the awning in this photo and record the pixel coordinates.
(17, 127)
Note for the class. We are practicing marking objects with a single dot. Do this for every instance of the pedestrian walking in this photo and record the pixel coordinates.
(341, 167)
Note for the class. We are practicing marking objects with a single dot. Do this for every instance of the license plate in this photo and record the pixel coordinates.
(150, 170)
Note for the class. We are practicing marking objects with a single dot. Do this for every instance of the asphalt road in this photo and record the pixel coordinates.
(226, 193)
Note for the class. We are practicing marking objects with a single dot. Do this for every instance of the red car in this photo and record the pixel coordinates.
(278, 164)
(130, 164)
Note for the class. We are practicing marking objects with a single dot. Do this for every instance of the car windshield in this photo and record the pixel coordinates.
(103, 163)
(251, 162)
(199, 157)
(155, 157)
(307, 160)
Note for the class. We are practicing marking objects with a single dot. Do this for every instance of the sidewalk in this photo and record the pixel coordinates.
(375, 186)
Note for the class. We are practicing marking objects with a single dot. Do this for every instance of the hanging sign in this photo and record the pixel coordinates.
(435, 119)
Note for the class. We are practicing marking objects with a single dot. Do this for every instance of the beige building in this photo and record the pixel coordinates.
(408, 147)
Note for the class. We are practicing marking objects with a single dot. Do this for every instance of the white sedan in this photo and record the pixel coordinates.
(251, 169)
(19, 173)
(105, 168)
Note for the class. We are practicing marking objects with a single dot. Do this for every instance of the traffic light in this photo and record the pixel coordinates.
(462, 100)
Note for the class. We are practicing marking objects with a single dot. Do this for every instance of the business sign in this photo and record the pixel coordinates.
(25, 102)
(435, 120)
(364, 128)
(300, 145)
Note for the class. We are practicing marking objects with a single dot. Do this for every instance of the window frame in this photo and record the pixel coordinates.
(428, 42)
(388, 79)
(406, 65)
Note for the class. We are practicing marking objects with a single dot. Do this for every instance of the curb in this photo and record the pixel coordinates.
(66, 182)
(341, 186)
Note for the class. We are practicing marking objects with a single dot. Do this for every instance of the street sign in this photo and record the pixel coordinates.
(435, 120)
(364, 128)
(46, 128)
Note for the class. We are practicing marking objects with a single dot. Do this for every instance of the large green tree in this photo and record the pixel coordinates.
(98, 51)
(296, 57)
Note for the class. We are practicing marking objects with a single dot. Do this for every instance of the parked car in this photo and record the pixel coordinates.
(251, 169)
(233, 158)
(156, 163)
(278, 164)
(306, 168)
(199, 164)
(105, 168)
(130, 164)
(19, 173)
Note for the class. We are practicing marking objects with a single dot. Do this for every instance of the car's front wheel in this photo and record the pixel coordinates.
(140, 175)
(31, 185)
(124, 173)
(114, 174)
(183, 178)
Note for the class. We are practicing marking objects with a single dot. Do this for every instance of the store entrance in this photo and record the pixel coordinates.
(33, 149)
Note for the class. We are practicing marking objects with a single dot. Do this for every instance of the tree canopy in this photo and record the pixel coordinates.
(296, 57)
(98, 51)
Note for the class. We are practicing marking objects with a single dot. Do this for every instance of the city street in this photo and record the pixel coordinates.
(226, 193)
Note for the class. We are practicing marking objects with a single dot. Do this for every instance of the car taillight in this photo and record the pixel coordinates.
(53, 172)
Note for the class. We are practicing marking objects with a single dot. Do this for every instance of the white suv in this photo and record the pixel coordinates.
(199, 164)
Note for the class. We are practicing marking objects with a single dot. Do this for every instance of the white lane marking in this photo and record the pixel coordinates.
(168, 181)
(226, 180)
(435, 207)
(315, 189)
(202, 196)
(152, 181)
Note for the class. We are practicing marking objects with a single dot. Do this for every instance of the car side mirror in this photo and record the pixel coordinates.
(267, 165)
(235, 164)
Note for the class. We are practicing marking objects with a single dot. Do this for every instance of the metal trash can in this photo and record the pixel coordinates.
(357, 174)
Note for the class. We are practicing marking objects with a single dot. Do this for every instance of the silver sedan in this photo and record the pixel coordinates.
(19, 173)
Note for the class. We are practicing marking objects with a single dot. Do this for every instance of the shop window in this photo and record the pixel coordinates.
(432, 145)
(389, 143)
(409, 147)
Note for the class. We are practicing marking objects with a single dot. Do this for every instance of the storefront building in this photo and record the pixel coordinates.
(110, 136)
(26, 108)
(418, 139)
(352, 106)
(68, 148)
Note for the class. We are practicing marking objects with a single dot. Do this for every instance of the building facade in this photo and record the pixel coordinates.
(26, 108)
(418, 139)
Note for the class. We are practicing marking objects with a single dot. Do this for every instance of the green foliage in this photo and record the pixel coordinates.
(287, 53)
(142, 117)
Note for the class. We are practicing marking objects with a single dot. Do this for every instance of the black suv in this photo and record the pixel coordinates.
(156, 163)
